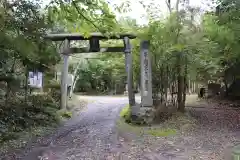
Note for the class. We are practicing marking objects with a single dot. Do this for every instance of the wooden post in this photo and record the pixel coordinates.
(189, 86)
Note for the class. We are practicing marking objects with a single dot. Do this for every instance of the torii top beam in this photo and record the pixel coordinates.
(78, 36)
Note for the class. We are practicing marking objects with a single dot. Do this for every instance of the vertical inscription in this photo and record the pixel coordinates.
(146, 71)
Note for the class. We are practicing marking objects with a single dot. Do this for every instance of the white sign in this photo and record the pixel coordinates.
(35, 79)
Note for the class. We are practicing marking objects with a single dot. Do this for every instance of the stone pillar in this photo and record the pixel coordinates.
(128, 60)
(146, 75)
(64, 75)
(145, 110)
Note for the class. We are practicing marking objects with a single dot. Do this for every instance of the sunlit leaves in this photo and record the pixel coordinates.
(22, 35)
(83, 16)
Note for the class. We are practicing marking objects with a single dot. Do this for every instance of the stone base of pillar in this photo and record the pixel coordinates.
(142, 115)
(147, 114)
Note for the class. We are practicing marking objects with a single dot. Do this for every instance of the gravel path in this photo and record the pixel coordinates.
(91, 135)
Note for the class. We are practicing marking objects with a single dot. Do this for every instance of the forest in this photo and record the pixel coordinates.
(189, 47)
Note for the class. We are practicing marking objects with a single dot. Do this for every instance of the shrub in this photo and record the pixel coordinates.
(53, 84)
(40, 110)
(54, 89)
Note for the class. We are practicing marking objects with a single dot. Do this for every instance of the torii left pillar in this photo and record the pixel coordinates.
(129, 70)
(64, 76)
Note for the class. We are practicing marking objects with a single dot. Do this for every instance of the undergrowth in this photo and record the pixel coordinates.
(19, 115)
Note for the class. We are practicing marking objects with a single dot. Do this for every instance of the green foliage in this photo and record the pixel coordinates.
(54, 90)
(181, 49)
(23, 49)
(18, 115)
(125, 112)
(53, 84)
(65, 114)
(101, 75)
(82, 16)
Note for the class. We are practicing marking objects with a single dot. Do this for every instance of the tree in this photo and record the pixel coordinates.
(82, 16)
(23, 27)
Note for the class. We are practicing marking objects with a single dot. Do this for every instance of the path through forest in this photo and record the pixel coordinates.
(90, 135)
(93, 135)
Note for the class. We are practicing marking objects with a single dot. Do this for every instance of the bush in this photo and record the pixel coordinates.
(53, 84)
(54, 89)
(40, 110)
(56, 95)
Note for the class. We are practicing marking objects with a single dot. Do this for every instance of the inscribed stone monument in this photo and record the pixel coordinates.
(146, 75)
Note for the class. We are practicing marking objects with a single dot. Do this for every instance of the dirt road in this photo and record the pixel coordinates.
(90, 135)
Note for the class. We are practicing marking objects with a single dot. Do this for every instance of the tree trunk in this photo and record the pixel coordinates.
(26, 85)
(193, 87)
(185, 80)
(166, 87)
(189, 86)
(161, 84)
(180, 95)
(7, 95)
(226, 87)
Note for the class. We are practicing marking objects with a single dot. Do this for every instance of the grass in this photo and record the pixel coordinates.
(157, 132)
(127, 127)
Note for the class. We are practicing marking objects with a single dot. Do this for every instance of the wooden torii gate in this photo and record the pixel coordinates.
(94, 46)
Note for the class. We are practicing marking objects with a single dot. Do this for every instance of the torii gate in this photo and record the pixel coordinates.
(94, 39)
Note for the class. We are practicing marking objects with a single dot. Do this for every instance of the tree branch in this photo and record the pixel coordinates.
(84, 17)
(168, 2)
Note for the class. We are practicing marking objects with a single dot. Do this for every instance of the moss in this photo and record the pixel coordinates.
(162, 132)
(64, 114)
(125, 112)
(123, 126)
